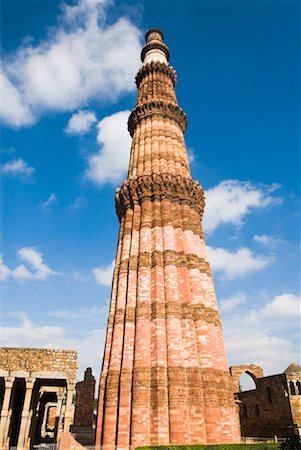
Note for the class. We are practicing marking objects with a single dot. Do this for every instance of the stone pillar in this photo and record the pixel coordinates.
(5, 416)
(59, 414)
(27, 430)
(70, 392)
(25, 416)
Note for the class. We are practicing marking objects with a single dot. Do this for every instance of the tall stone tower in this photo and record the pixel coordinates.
(165, 377)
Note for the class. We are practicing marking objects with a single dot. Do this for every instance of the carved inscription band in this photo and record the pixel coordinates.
(157, 107)
(162, 259)
(156, 66)
(150, 377)
(158, 187)
(156, 310)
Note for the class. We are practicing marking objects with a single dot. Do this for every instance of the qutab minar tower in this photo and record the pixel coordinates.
(165, 378)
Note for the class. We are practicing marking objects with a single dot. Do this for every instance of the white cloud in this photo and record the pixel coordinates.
(191, 155)
(17, 167)
(268, 241)
(80, 122)
(231, 303)
(29, 334)
(78, 204)
(265, 334)
(236, 263)
(111, 162)
(282, 307)
(231, 200)
(82, 59)
(50, 201)
(13, 111)
(104, 275)
(272, 353)
(92, 313)
(24, 334)
(37, 270)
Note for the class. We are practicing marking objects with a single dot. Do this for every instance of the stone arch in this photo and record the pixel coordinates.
(246, 382)
(252, 370)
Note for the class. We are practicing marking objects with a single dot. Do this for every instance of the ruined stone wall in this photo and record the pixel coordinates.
(266, 411)
(37, 359)
(84, 401)
(293, 382)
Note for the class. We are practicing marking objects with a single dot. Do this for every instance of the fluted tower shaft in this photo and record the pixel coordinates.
(165, 378)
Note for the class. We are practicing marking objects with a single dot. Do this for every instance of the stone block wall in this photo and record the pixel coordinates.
(36, 386)
(274, 407)
(293, 382)
(84, 401)
(39, 359)
(265, 412)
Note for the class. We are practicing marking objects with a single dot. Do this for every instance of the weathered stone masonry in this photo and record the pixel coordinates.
(165, 377)
(36, 389)
(274, 407)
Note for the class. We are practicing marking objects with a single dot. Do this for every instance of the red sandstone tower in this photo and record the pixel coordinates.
(165, 378)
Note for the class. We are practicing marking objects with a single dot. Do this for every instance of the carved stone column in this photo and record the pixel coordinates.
(25, 416)
(70, 392)
(59, 414)
(5, 416)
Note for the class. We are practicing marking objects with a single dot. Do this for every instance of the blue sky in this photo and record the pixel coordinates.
(68, 87)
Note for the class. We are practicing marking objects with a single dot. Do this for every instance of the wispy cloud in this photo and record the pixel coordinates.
(17, 168)
(51, 200)
(36, 268)
(231, 303)
(78, 204)
(83, 58)
(111, 162)
(8, 150)
(92, 313)
(103, 275)
(231, 200)
(236, 263)
(80, 122)
(191, 155)
(268, 241)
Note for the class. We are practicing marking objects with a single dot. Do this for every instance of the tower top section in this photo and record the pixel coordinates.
(154, 49)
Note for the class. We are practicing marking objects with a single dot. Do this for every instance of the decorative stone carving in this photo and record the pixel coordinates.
(158, 187)
(156, 66)
(159, 108)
